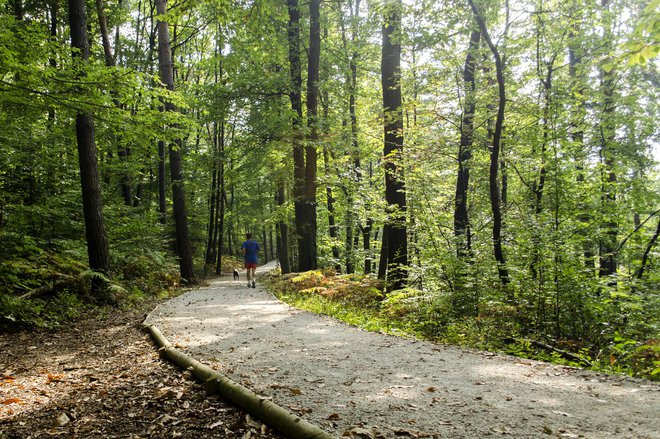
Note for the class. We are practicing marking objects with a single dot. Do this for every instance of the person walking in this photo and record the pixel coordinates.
(250, 248)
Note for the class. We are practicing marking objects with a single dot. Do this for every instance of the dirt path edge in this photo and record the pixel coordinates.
(214, 382)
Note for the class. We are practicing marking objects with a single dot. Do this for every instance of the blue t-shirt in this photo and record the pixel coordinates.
(251, 248)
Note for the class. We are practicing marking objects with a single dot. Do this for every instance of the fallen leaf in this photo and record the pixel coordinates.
(547, 430)
(62, 420)
(333, 417)
(53, 378)
(12, 401)
(359, 433)
(431, 389)
(215, 424)
(251, 422)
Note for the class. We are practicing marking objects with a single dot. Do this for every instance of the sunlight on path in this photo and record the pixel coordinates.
(343, 378)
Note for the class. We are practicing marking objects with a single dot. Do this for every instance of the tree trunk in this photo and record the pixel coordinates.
(306, 208)
(495, 200)
(166, 68)
(97, 244)
(295, 96)
(162, 184)
(331, 212)
(366, 245)
(396, 254)
(210, 241)
(221, 221)
(461, 220)
(578, 114)
(283, 234)
(110, 61)
(609, 224)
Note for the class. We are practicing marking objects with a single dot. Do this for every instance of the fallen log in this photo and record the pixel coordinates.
(564, 354)
(64, 281)
(214, 382)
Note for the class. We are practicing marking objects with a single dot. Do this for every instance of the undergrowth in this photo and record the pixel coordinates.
(359, 301)
(46, 283)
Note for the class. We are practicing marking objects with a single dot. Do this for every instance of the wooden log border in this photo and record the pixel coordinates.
(214, 382)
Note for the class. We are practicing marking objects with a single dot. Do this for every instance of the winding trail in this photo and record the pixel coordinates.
(349, 381)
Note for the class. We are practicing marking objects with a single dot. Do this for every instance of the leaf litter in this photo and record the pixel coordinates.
(101, 377)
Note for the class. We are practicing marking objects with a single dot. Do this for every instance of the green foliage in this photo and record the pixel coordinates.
(41, 313)
(500, 327)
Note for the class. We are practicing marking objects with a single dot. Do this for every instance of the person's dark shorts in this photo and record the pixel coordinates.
(250, 265)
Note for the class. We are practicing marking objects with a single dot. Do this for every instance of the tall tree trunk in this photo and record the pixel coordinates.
(495, 200)
(331, 212)
(212, 238)
(538, 186)
(122, 152)
(282, 233)
(295, 97)
(306, 207)
(162, 184)
(395, 230)
(330, 199)
(265, 245)
(217, 162)
(609, 224)
(166, 68)
(222, 195)
(461, 220)
(97, 244)
(576, 71)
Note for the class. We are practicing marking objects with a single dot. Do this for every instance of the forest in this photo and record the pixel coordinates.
(488, 168)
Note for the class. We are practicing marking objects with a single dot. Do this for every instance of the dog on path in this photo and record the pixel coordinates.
(236, 275)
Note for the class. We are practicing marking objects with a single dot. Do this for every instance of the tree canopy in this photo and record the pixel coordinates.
(483, 157)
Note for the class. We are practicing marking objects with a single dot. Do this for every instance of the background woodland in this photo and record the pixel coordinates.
(487, 165)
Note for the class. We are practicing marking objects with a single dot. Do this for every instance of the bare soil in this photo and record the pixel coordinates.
(101, 377)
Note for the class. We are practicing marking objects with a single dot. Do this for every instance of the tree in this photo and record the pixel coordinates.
(395, 239)
(495, 200)
(608, 263)
(306, 205)
(461, 219)
(166, 69)
(97, 244)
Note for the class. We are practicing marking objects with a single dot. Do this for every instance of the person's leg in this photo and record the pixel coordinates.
(254, 275)
(248, 270)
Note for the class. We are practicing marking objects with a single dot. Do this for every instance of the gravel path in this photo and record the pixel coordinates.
(355, 383)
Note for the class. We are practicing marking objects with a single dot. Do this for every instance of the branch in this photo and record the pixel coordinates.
(622, 243)
(640, 272)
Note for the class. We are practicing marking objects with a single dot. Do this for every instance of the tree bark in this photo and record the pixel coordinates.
(578, 114)
(395, 231)
(306, 205)
(162, 184)
(295, 97)
(495, 200)
(97, 244)
(110, 61)
(166, 69)
(608, 263)
(283, 234)
(461, 220)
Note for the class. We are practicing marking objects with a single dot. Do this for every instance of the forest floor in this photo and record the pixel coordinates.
(101, 377)
(360, 384)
